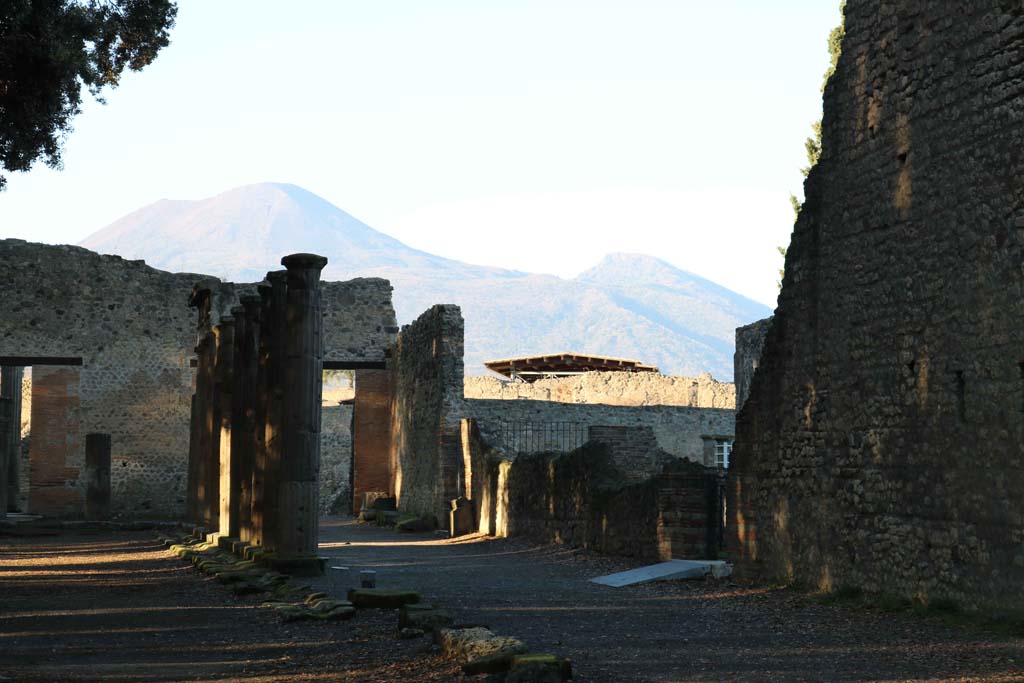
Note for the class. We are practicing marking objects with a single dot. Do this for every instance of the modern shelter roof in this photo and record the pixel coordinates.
(530, 368)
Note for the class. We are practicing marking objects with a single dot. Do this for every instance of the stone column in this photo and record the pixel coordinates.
(243, 435)
(200, 500)
(96, 476)
(274, 436)
(260, 408)
(12, 377)
(224, 333)
(303, 384)
(6, 429)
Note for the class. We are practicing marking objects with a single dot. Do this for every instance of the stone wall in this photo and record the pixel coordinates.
(135, 334)
(681, 431)
(427, 377)
(881, 444)
(749, 345)
(611, 388)
(584, 498)
(335, 459)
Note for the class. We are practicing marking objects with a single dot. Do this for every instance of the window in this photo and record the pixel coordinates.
(723, 449)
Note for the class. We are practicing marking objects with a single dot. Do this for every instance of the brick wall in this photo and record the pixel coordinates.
(55, 458)
(372, 435)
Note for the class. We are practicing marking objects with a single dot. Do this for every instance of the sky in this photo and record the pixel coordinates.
(537, 135)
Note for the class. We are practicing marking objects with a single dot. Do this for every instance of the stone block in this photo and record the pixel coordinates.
(383, 599)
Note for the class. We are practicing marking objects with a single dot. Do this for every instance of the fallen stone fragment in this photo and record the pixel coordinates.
(425, 617)
(539, 668)
(384, 599)
(479, 650)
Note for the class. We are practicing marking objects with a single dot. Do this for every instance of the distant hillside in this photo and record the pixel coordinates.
(628, 305)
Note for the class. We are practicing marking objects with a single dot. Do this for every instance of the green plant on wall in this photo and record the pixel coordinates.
(812, 145)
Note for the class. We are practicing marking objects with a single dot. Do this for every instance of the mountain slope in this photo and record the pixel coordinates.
(629, 305)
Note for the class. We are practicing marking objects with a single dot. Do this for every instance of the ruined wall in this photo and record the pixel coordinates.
(135, 333)
(681, 431)
(335, 459)
(427, 377)
(882, 442)
(749, 346)
(611, 388)
(584, 498)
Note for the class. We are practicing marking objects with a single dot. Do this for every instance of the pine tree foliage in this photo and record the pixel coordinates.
(51, 49)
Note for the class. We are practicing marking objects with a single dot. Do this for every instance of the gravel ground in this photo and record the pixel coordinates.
(117, 607)
(667, 631)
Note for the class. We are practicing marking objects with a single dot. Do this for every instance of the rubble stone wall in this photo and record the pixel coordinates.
(882, 443)
(611, 388)
(335, 459)
(427, 378)
(584, 499)
(749, 345)
(679, 430)
(135, 333)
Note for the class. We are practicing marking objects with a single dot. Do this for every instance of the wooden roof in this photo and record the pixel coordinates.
(531, 368)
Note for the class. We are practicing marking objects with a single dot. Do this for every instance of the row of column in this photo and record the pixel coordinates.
(254, 452)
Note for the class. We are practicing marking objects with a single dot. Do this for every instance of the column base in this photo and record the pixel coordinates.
(296, 565)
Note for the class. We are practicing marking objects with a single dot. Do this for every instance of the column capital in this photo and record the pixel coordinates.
(304, 262)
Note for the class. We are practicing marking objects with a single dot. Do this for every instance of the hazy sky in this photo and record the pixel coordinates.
(535, 135)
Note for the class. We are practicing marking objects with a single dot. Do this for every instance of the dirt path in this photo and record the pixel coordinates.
(118, 608)
(670, 631)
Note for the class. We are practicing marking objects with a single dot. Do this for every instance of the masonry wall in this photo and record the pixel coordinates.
(586, 499)
(135, 333)
(681, 431)
(749, 346)
(427, 379)
(611, 388)
(335, 459)
(882, 442)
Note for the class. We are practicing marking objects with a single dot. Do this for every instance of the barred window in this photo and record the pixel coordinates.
(723, 449)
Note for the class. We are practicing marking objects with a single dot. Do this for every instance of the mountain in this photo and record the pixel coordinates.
(629, 305)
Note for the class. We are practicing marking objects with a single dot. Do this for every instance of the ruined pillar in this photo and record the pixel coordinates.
(202, 466)
(273, 435)
(209, 445)
(303, 384)
(243, 408)
(191, 470)
(260, 400)
(224, 334)
(10, 437)
(96, 476)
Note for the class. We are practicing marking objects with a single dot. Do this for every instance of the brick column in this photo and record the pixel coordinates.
(303, 384)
